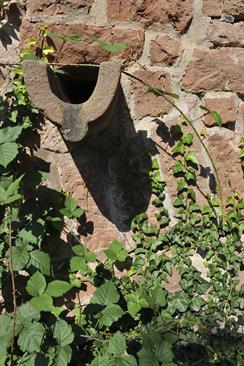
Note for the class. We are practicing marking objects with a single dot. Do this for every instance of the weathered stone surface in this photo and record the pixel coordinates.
(173, 282)
(216, 8)
(218, 70)
(88, 50)
(148, 104)
(53, 7)
(176, 12)
(164, 49)
(234, 8)
(74, 119)
(226, 157)
(226, 34)
(213, 8)
(226, 108)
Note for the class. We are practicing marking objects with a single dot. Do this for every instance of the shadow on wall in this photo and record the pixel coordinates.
(8, 31)
(114, 165)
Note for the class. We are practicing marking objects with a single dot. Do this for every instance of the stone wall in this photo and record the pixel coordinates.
(192, 47)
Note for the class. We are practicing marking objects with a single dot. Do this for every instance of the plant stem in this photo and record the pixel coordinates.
(13, 285)
(189, 123)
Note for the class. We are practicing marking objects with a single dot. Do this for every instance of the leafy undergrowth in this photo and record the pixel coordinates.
(132, 319)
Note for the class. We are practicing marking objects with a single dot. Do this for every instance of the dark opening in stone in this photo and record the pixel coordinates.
(78, 83)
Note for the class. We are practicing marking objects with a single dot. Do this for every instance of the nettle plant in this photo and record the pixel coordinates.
(131, 319)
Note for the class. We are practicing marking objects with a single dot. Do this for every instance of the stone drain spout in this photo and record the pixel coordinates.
(86, 113)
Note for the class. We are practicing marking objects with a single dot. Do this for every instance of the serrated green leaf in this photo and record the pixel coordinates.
(41, 261)
(116, 251)
(63, 333)
(117, 344)
(26, 313)
(106, 294)
(36, 285)
(58, 288)
(14, 186)
(63, 356)
(30, 338)
(6, 329)
(110, 314)
(8, 153)
(43, 302)
(10, 134)
(20, 256)
(78, 264)
(3, 196)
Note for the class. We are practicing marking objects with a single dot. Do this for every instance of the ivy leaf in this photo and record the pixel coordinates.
(188, 139)
(117, 344)
(63, 333)
(110, 314)
(41, 261)
(63, 356)
(8, 153)
(9, 134)
(30, 338)
(106, 294)
(108, 46)
(58, 288)
(197, 303)
(190, 156)
(20, 257)
(43, 302)
(179, 303)
(36, 284)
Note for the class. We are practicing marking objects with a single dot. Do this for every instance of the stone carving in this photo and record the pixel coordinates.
(75, 119)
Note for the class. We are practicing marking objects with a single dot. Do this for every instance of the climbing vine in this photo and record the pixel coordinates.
(133, 317)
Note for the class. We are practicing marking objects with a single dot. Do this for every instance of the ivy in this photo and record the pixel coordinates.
(134, 318)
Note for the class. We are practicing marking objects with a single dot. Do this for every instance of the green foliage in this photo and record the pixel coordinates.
(131, 319)
(108, 46)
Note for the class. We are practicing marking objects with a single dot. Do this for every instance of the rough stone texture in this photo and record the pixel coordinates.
(89, 51)
(176, 12)
(164, 50)
(220, 70)
(234, 8)
(173, 282)
(213, 8)
(149, 104)
(216, 8)
(225, 106)
(53, 7)
(223, 151)
(226, 34)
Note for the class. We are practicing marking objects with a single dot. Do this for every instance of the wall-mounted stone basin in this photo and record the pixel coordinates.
(80, 101)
